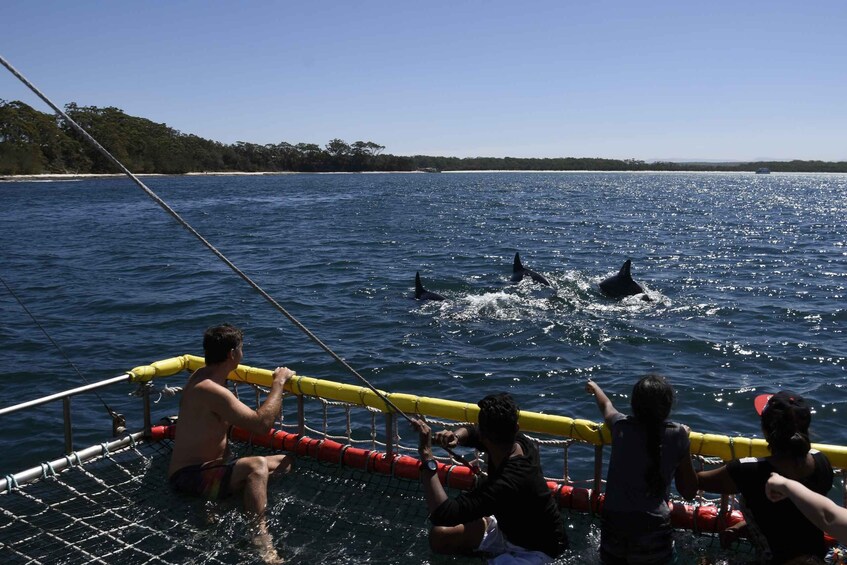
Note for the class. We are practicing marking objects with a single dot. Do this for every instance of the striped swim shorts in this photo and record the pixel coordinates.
(208, 480)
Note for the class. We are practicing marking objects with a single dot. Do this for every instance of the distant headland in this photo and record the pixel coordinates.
(36, 143)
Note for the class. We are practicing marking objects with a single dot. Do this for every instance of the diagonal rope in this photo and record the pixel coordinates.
(164, 205)
(111, 412)
(203, 240)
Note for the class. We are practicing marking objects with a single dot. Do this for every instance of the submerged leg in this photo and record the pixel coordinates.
(264, 543)
(251, 474)
(457, 540)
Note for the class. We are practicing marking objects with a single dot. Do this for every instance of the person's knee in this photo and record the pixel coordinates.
(258, 469)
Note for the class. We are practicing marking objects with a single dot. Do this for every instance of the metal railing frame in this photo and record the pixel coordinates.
(75, 457)
(66, 396)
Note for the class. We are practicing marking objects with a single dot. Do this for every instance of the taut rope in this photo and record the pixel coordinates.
(111, 412)
(203, 240)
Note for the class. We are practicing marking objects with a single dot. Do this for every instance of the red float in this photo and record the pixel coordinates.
(698, 518)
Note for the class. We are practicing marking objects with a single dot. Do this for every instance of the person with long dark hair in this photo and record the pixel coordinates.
(779, 530)
(648, 452)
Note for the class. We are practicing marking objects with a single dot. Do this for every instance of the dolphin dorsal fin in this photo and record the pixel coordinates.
(624, 272)
(419, 289)
(517, 265)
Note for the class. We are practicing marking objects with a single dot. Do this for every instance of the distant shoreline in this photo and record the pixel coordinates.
(86, 176)
(57, 148)
(83, 176)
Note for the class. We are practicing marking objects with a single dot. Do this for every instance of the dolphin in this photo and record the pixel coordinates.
(423, 294)
(620, 285)
(518, 272)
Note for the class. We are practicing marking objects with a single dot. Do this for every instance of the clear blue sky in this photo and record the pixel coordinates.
(737, 80)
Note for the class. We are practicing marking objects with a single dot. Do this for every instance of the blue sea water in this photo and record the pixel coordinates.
(748, 276)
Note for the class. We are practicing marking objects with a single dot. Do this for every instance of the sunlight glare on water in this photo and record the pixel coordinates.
(747, 277)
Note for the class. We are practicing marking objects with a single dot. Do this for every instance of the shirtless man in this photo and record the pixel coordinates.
(201, 462)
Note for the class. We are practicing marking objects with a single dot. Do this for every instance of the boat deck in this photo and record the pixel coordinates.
(119, 509)
(116, 506)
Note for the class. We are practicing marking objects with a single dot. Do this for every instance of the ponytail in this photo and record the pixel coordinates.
(652, 397)
(785, 422)
(656, 485)
(783, 437)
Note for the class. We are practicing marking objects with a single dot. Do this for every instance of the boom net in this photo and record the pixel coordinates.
(353, 496)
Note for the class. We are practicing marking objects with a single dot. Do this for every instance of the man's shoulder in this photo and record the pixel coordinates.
(526, 443)
(530, 461)
(206, 401)
(206, 388)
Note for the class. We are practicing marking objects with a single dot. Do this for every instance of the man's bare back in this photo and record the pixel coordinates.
(200, 462)
(201, 433)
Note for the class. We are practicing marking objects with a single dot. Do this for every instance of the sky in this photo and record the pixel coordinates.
(676, 80)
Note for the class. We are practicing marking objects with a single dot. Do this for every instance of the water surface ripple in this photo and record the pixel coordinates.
(747, 274)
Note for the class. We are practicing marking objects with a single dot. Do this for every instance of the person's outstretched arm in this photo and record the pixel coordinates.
(818, 509)
(607, 409)
(716, 480)
(434, 492)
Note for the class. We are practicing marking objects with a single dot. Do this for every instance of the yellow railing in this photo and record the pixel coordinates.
(709, 445)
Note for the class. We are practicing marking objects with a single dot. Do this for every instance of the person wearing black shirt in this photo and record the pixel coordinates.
(510, 514)
(778, 530)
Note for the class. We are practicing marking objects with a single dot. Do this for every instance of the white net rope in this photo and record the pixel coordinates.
(118, 508)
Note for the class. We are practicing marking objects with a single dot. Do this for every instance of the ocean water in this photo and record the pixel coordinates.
(748, 275)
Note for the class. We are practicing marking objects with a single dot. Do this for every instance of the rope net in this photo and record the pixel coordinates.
(118, 508)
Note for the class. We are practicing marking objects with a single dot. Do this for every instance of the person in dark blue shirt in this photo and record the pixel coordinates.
(648, 452)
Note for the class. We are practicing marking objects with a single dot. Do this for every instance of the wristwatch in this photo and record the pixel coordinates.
(430, 465)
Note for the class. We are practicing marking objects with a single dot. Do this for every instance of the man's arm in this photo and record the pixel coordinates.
(607, 409)
(818, 509)
(433, 490)
(232, 410)
(452, 438)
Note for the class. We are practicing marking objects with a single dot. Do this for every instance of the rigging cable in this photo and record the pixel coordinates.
(208, 245)
(111, 412)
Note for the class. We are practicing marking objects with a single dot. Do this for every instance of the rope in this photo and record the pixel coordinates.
(164, 205)
(202, 240)
(168, 392)
(111, 412)
(11, 483)
(47, 467)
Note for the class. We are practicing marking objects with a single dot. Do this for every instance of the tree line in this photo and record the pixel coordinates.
(33, 142)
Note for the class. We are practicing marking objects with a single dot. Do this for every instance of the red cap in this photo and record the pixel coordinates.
(785, 400)
(760, 402)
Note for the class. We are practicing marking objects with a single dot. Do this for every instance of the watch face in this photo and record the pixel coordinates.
(431, 464)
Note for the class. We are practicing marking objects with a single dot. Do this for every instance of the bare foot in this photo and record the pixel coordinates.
(211, 513)
(264, 544)
(731, 535)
